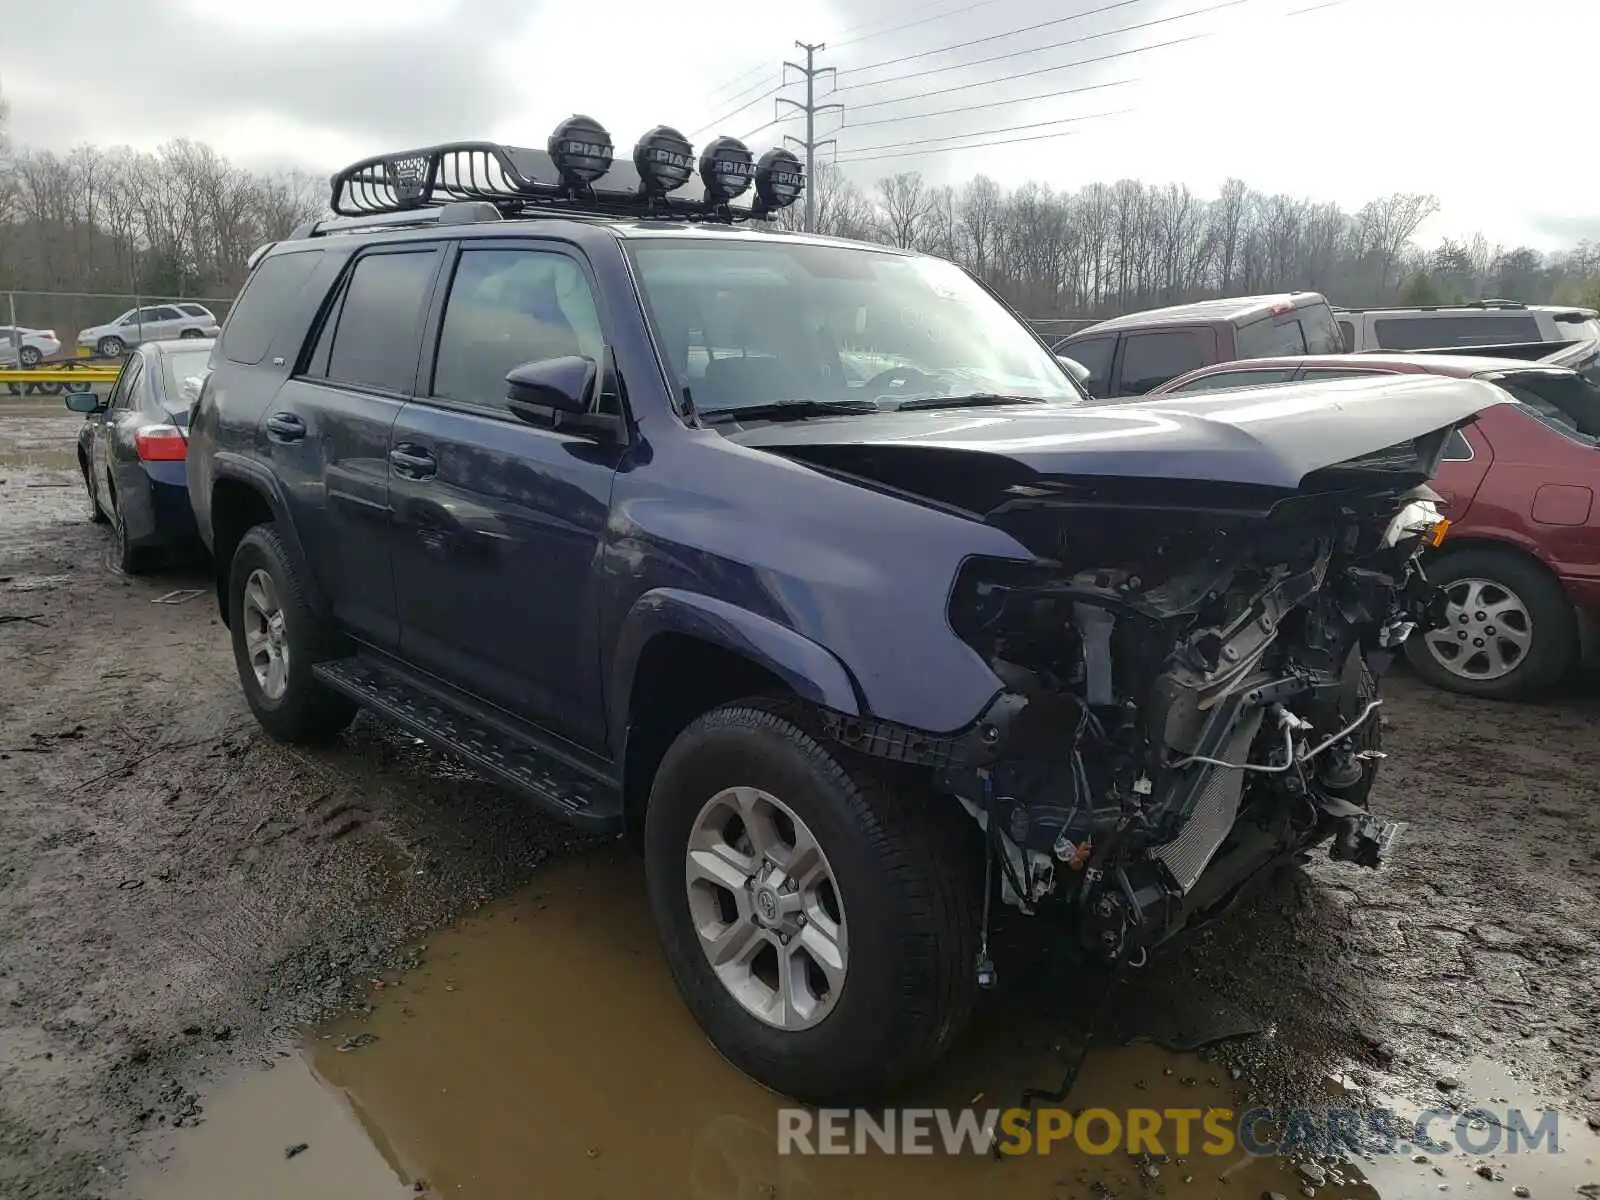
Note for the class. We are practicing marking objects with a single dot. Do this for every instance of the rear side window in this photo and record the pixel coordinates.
(374, 335)
(1270, 337)
(1348, 330)
(1457, 448)
(1095, 354)
(261, 307)
(1150, 359)
(1435, 332)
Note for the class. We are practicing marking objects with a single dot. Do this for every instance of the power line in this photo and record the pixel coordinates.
(940, 16)
(951, 137)
(867, 154)
(1077, 41)
(994, 37)
(954, 112)
(732, 83)
(1082, 62)
(1038, 137)
(710, 125)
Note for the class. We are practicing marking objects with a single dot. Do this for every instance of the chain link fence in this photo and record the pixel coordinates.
(129, 318)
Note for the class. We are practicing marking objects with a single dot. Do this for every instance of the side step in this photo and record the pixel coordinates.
(517, 761)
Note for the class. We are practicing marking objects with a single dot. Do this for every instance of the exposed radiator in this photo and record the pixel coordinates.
(1187, 855)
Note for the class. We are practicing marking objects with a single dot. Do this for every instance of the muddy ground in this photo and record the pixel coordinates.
(181, 899)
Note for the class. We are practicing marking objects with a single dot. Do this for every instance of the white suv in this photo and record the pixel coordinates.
(1476, 323)
(156, 323)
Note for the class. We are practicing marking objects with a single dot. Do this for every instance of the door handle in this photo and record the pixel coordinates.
(412, 462)
(286, 427)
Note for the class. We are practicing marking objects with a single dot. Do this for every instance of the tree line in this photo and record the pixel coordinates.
(1109, 248)
(182, 221)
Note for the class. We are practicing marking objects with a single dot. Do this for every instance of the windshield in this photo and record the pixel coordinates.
(178, 365)
(744, 325)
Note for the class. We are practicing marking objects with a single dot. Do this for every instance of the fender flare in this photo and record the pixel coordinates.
(234, 468)
(811, 670)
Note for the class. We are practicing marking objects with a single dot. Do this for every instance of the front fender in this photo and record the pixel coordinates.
(810, 670)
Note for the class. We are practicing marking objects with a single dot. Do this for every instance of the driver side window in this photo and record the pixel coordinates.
(508, 307)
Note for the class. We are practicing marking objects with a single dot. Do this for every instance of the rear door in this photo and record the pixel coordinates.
(326, 432)
(498, 523)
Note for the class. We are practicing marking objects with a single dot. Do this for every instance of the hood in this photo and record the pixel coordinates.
(1273, 437)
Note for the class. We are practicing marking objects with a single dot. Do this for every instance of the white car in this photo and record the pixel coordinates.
(37, 345)
(153, 323)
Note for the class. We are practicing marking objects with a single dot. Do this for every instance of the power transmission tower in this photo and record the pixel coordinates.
(811, 108)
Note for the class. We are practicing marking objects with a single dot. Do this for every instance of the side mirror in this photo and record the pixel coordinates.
(561, 384)
(559, 393)
(1076, 369)
(85, 402)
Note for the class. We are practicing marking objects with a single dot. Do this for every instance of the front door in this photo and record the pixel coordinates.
(326, 432)
(497, 523)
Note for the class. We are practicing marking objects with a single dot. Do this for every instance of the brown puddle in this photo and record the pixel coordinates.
(541, 1051)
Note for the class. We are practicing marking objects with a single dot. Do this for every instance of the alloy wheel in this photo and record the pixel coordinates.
(266, 639)
(766, 908)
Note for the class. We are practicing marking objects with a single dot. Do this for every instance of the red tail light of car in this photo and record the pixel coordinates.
(162, 443)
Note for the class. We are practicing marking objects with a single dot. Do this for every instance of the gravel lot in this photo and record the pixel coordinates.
(179, 895)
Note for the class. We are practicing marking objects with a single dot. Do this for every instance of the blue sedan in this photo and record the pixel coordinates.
(133, 448)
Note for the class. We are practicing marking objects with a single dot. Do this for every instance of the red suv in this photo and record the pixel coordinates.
(1521, 563)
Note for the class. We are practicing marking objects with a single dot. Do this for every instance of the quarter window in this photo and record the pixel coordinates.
(262, 306)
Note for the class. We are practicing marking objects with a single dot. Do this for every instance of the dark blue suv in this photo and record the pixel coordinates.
(804, 561)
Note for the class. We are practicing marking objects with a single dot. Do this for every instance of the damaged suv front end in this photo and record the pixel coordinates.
(1184, 712)
(1190, 657)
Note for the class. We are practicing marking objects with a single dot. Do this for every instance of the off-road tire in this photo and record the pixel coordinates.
(307, 712)
(111, 347)
(909, 877)
(1555, 627)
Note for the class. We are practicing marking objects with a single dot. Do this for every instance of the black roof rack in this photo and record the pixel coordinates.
(499, 181)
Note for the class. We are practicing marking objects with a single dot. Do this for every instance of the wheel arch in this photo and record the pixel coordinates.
(241, 499)
(680, 655)
(1454, 545)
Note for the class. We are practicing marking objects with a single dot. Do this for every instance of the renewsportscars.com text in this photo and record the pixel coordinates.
(1221, 1132)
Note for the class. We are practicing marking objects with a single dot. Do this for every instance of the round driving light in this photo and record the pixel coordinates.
(779, 179)
(726, 168)
(581, 149)
(665, 160)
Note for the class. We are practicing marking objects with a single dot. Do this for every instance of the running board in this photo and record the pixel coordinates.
(516, 761)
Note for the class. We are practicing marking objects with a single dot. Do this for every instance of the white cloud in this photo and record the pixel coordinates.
(1484, 103)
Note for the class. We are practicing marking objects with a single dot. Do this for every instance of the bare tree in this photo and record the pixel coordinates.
(905, 205)
(1388, 225)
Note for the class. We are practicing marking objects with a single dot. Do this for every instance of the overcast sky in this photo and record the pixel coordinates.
(1489, 104)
